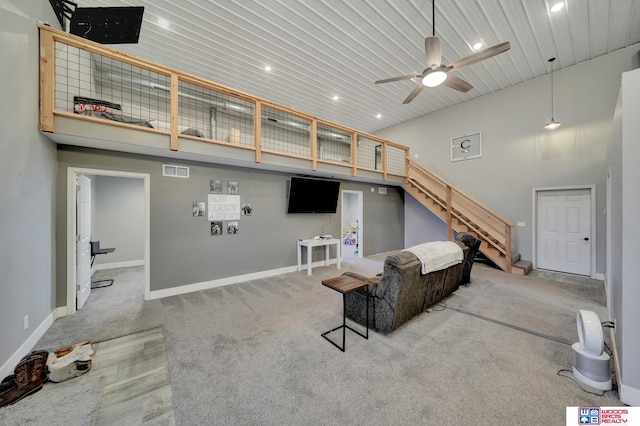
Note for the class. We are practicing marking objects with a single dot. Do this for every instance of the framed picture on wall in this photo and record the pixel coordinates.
(466, 147)
(233, 187)
(215, 186)
(198, 208)
(216, 228)
(232, 227)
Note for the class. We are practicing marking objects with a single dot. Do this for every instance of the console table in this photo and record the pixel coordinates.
(310, 244)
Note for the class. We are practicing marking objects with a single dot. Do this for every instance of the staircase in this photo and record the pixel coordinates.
(463, 214)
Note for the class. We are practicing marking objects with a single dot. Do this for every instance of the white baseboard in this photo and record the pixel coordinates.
(189, 288)
(59, 312)
(114, 265)
(8, 367)
(599, 276)
(627, 394)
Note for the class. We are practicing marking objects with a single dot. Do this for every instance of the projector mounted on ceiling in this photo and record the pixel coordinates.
(108, 25)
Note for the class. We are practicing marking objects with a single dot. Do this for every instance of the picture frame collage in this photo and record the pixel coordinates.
(224, 207)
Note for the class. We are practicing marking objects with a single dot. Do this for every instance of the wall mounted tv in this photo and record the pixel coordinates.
(309, 195)
(108, 25)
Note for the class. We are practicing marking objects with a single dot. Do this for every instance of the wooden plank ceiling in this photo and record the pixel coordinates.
(318, 49)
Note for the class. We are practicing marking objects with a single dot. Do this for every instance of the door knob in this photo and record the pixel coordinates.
(586, 238)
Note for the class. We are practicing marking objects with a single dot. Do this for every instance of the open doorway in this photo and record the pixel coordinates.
(352, 224)
(110, 183)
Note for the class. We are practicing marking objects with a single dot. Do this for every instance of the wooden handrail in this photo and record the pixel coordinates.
(453, 187)
(469, 213)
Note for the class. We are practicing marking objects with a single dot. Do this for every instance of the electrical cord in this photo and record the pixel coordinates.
(564, 370)
(608, 324)
(325, 225)
(443, 306)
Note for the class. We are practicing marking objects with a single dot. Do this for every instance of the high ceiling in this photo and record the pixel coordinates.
(318, 49)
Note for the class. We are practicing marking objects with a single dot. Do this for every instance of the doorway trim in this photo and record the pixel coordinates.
(72, 172)
(534, 233)
(360, 197)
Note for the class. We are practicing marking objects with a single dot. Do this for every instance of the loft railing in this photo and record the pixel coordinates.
(463, 213)
(84, 80)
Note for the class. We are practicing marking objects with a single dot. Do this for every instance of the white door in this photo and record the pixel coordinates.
(83, 239)
(564, 231)
(351, 219)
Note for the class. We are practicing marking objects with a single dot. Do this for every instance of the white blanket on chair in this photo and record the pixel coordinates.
(437, 255)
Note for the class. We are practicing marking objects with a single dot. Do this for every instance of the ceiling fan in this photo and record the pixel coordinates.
(436, 73)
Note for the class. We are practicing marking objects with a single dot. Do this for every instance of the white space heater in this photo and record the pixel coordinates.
(591, 365)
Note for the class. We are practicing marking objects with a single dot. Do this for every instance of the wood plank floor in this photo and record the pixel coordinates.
(135, 378)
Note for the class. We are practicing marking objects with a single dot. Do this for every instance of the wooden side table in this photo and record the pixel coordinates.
(344, 284)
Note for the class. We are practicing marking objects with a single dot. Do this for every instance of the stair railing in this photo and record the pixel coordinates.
(459, 209)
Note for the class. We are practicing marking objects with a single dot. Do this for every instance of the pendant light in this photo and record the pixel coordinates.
(553, 124)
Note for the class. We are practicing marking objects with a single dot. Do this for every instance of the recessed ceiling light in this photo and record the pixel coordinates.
(267, 68)
(478, 46)
(336, 97)
(557, 7)
(378, 115)
(163, 23)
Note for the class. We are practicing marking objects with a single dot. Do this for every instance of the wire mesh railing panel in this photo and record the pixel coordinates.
(97, 86)
(74, 76)
(369, 153)
(215, 114)
(396, 160)
(285, 133)
(333, 144)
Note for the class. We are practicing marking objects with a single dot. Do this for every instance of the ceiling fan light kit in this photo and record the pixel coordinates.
(436, 73)
(433, 78)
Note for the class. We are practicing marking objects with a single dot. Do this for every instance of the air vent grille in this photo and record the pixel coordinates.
(175, 171)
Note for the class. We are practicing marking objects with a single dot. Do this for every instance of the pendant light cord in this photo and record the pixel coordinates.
(551, 60)
(433, 16)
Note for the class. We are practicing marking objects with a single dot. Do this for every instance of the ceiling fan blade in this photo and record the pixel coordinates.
(414, 93)
(432, 51)
(481, 55)
(457, 84)
(401, 77)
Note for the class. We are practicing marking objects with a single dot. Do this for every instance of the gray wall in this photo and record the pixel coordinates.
(624, 152)
(28, 164)
(518, 153)
(182, 249)
(118, 218)
(425, 225)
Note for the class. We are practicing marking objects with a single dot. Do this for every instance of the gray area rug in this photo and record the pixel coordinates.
(252, 354)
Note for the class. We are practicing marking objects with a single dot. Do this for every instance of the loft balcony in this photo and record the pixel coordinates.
(96, 96)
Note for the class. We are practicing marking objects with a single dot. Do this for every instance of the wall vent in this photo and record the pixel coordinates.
(175, 171)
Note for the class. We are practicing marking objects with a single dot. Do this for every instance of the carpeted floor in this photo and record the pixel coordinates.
(251, 353)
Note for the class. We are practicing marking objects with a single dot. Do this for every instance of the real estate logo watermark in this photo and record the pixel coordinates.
(588, 415)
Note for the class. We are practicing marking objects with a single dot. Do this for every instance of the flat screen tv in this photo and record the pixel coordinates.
(309, 195)
(108, 25)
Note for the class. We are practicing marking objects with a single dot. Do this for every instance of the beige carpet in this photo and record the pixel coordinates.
(251, 353)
